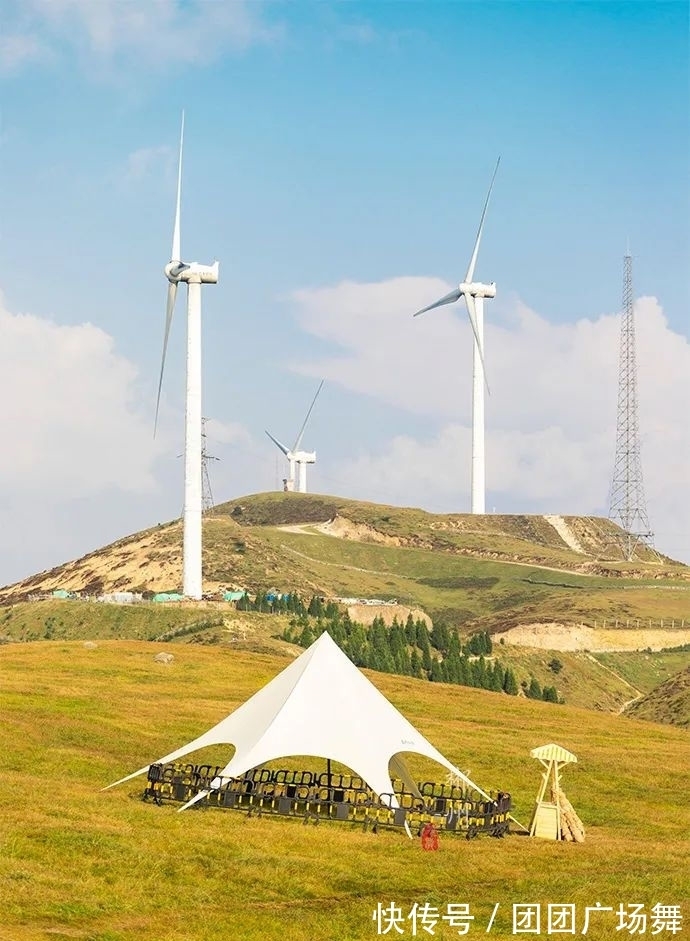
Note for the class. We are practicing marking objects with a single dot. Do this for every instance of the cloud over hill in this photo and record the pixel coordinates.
(551, 415)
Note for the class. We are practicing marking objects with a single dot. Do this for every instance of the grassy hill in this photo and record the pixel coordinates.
(500, 568)
(76, 862)
(511, 575)
(668, 702)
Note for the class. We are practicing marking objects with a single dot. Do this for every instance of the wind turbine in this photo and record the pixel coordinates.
(194, 275)
(474, 293)
(296, 458)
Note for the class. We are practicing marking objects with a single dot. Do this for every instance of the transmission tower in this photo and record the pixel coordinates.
(627, 506)
(206, 493)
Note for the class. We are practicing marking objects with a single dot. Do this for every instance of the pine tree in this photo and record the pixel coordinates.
(423, 644)
(452, 668)
(415, 664)
(398, 644)
(379, 640)
(357, 644)
(497, 678)
(463, 671)
(534, 690)
(436, 672)
(306, 638)
(510, 683)
(481, 676)
(479, 644)
(440, 635)
(335, 629)
(454, 646)
(410, 630)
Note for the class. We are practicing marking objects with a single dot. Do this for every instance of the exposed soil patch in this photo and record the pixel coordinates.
(343, 528)
(556, 636)
(365, 613)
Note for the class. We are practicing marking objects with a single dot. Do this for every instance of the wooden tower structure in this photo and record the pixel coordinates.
(553, 817)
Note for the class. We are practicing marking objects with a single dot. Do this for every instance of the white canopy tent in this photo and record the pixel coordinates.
(319, 705)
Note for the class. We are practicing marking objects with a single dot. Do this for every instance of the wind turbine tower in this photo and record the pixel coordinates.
(474, 293)
(627, 506)
(298, 459)
(193, 275)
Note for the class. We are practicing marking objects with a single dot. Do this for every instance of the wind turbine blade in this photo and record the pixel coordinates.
(175, 256)
(282, 447)
(304, 423)
(448, 299)
(172, 295)
(472, 313)
(473, 260)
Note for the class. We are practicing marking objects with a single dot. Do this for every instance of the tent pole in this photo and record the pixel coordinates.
(328, 769)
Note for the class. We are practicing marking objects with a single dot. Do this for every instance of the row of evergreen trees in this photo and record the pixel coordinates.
(408, 649)
(411, 649)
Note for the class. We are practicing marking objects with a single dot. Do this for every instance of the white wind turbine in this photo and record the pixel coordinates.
(296, 458)
(474, 293)
(194, 275)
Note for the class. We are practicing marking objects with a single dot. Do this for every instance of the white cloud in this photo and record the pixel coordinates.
(69, 412)
(150, 33)
(551, 416)
(81, 467)
(385, 352)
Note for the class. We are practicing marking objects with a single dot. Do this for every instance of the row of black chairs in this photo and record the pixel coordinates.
(316, 796)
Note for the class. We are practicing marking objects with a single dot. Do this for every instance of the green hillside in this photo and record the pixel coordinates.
(77, 862)
(669, 702)
(517, 577)
(490, 572)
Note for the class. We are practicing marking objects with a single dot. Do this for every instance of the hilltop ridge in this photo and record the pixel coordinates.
(234, 531)
(535, 583)
(493, 572)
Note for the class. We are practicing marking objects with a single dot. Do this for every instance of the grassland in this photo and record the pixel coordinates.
(643, 669)
(495, 573)
(77, 862)
(669, 702)
(605, 681)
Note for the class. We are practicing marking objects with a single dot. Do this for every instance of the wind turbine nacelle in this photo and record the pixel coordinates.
(305, 457)
(476, 289)
(207, 274)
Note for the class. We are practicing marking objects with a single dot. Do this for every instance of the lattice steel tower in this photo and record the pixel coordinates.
(627, 506)
(206, 493)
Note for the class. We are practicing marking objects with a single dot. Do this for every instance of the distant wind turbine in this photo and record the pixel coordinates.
(194, 275)
(298, 459)
(474, 293)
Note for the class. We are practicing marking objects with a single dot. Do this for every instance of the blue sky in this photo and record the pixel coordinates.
(329, 144)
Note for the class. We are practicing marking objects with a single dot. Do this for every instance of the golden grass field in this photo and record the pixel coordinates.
(77, 862)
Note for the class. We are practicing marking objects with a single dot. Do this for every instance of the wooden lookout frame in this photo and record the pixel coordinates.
(554, 817)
